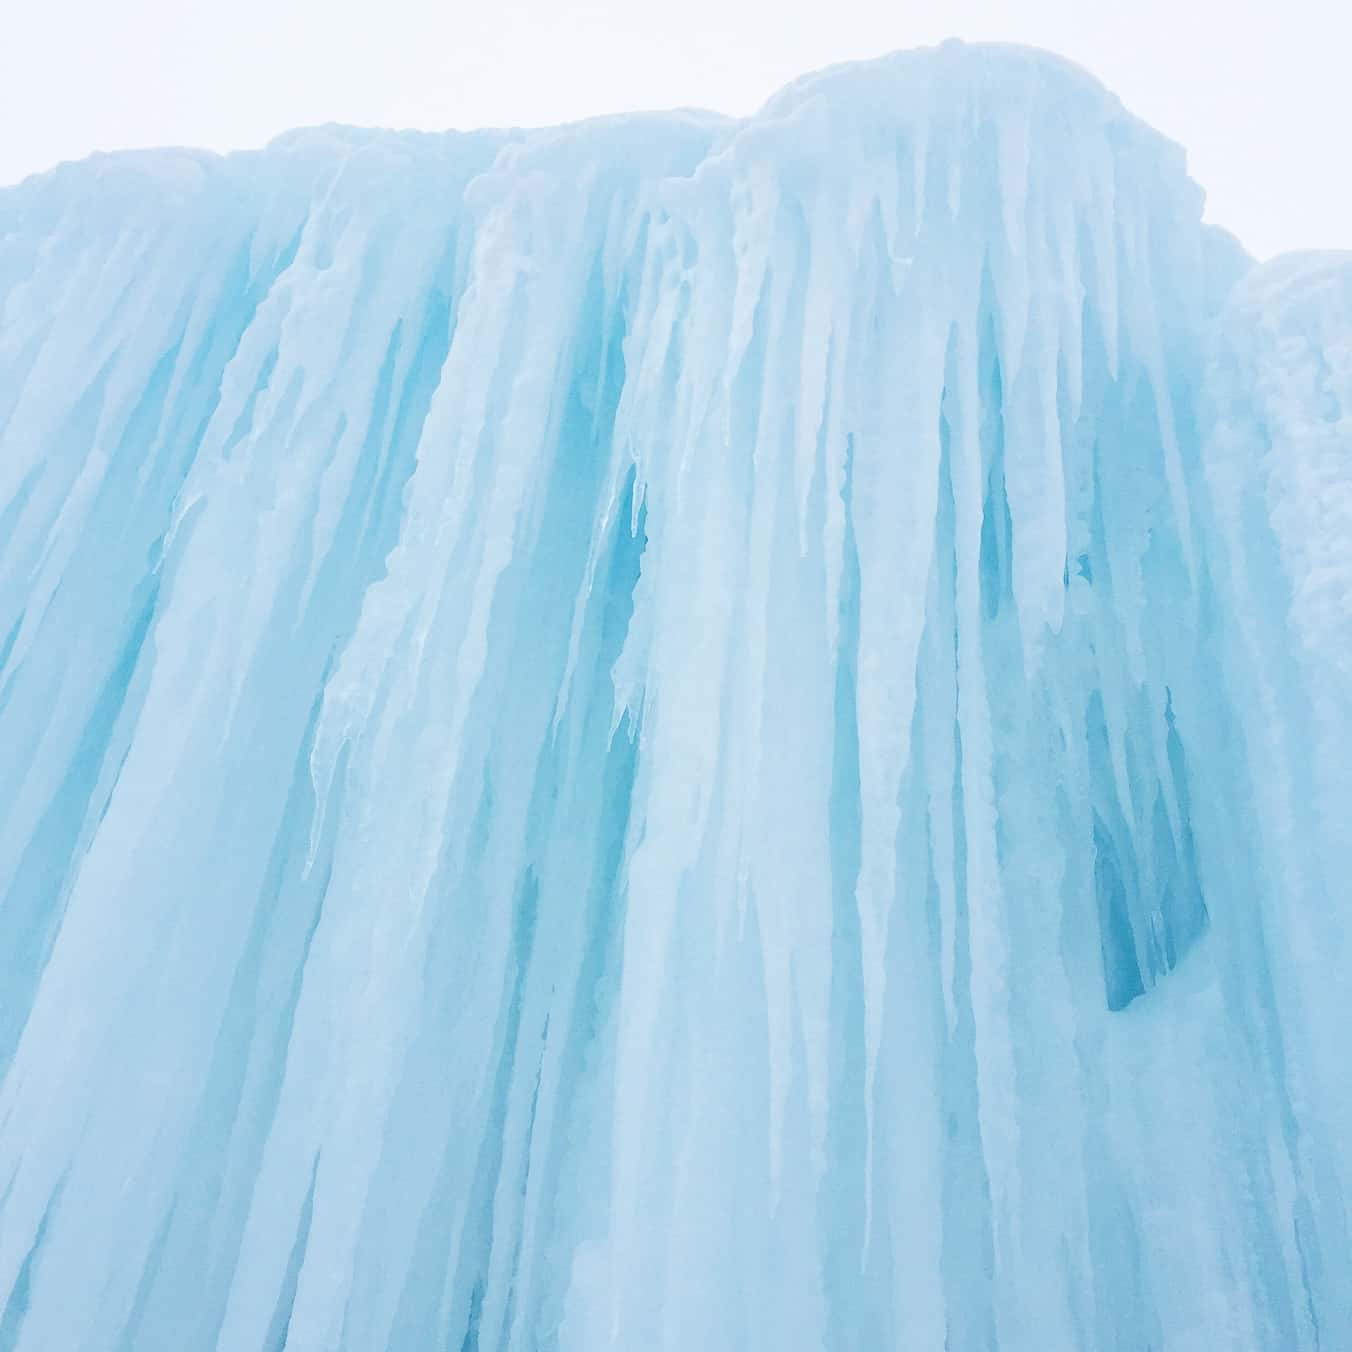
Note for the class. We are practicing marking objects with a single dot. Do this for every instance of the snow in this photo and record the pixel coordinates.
(674, 733)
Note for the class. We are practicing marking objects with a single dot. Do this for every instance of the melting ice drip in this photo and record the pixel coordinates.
(674, 733)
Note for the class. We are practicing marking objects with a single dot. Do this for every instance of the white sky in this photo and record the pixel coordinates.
(1260, 93)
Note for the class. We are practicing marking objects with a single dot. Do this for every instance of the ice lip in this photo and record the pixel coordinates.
(674, 732)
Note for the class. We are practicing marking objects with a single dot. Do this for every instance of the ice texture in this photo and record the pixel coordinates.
(675, 733)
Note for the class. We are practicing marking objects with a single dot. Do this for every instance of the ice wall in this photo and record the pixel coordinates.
(674, 733)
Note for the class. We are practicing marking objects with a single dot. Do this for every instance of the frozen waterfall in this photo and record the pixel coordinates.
(675, 733)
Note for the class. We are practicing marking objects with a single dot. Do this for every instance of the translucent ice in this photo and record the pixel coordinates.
(675, 734)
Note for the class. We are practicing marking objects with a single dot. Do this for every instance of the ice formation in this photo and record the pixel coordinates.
(675, 733)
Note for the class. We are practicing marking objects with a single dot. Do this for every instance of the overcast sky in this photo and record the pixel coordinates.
(1260, 93)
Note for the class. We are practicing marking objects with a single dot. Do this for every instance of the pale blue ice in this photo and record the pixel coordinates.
(675, 734)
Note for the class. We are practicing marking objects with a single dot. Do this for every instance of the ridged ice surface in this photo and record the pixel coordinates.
(675, 734)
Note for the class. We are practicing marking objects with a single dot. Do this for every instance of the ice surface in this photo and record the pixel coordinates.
(675, 733)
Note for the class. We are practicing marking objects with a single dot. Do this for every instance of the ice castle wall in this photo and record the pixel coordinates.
(674, 733)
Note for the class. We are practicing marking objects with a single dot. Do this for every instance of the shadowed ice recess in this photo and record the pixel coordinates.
(675, 733)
